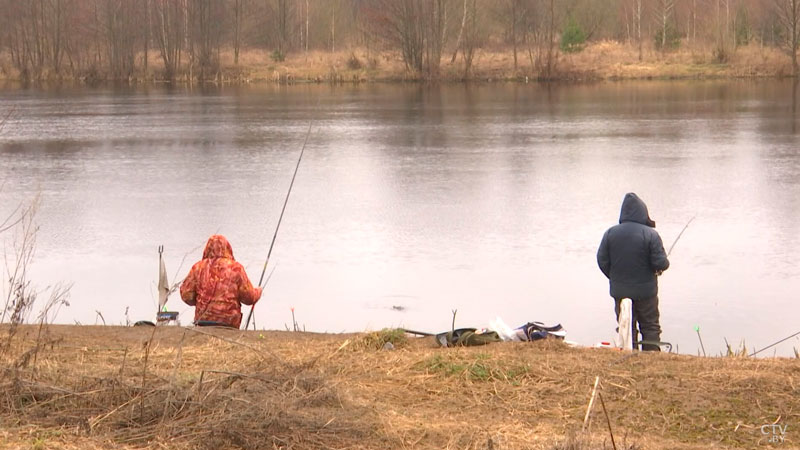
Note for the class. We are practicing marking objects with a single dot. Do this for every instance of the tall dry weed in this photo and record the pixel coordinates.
(20, 292)
(20, 295)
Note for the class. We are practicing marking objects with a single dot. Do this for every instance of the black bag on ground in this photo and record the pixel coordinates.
(537, 330)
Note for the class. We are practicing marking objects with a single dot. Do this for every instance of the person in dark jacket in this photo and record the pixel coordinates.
(631, 255)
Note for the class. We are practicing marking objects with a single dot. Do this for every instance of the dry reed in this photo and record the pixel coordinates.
(231, 389)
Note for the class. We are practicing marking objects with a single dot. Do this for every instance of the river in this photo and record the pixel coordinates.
(413, 200)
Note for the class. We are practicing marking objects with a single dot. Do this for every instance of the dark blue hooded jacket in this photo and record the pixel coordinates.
(631, 253)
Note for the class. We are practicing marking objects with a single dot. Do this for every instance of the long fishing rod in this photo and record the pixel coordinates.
(265, 283)
(774, 344)
(680, 234)
(275, 235)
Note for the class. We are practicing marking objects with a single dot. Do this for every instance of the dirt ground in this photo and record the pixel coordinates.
(70, 387)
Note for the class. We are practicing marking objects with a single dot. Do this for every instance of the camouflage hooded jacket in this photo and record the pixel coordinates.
(217, 285)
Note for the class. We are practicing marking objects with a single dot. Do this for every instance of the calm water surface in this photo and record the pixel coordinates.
(412, 201)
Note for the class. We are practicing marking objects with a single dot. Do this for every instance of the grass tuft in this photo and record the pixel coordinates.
(478, 368)
(377, 339)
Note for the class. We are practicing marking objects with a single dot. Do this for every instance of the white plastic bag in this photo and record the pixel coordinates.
(503, 330)
(624, 338)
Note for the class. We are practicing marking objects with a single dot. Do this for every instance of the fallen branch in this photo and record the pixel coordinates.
(608, 421)
(591, 403)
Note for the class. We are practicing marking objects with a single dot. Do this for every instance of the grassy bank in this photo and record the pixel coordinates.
(604, 60)
(599, 61)
(101, 387)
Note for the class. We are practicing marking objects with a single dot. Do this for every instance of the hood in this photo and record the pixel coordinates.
(634, 210)
(218, 247)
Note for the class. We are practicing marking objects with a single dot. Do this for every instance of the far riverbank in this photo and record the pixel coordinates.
(605, 60)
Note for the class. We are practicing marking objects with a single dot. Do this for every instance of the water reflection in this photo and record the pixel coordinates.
(486, 198)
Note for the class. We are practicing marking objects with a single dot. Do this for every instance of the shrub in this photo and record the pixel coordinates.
(373, 63)
(277, 56)
(720, 54)
(353, 63)
(743, 31)
(377, 339)
(572, 37)
(671, 39)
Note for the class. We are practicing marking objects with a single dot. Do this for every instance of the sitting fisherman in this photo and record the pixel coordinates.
(217, 286)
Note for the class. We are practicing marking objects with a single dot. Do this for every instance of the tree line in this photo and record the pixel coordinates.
(169, 39)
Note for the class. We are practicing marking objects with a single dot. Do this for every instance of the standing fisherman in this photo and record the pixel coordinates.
(217, 286)
(631, 255)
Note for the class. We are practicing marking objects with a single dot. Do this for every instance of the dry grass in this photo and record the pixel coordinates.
(612, 60)
(599, 60)
(101, 387)
(342, 66)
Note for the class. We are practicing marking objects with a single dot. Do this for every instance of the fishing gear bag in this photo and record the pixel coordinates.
(466, 337)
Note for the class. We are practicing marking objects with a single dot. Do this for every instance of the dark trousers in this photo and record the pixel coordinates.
(211, 323)
(644, 316)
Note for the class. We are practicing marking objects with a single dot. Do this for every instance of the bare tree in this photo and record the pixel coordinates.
(205, 19)
(788, 12)
(115, 38)
(147, 26)
(515, 19)
(460, 33)
(169, 36)
(306, 39)
(591, 15)
(550, 42)
(121, 31)
(638, 16)
(539, 34)
(691, 29)
(23, 37)
(665, 10)
(473, 36)
(632, 16)
(334, 7)
(237, 30)
(282, 14)
(436, 38)
(399, 24)
(417, 27)
(55, 11)
(512, 15)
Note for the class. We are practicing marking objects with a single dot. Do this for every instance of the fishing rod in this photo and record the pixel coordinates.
(680, 234)
(280, 218)
(265, 283)
(774, 344)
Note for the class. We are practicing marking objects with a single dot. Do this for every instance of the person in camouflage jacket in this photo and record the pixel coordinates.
(217, 286)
